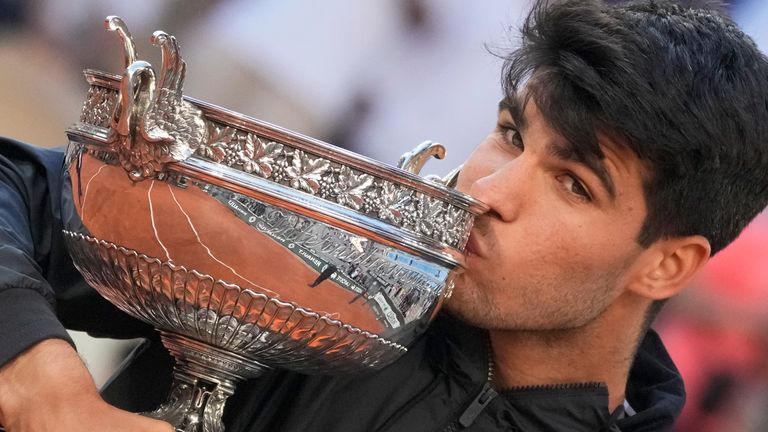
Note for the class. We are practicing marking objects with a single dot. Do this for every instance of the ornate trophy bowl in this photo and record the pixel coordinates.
(246, 245)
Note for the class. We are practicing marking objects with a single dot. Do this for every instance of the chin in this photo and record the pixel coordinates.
(462, 307)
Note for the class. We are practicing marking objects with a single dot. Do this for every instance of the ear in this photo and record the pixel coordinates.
(669, 265)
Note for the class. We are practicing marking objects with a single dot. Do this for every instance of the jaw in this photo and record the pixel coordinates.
(599, 351)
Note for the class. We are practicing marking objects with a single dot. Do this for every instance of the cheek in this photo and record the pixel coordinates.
(552, 248)
(589, 233)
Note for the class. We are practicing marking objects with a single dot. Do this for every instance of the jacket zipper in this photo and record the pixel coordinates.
(486, 395)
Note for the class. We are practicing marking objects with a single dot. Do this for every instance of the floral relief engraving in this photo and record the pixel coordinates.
(306, 172)
(395, 203)
(430, 215)
(350, 188)
(258, 157)
(456, 230)
(218, 146)
(246, 151)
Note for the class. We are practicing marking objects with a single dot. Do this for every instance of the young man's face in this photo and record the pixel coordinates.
(556, 247)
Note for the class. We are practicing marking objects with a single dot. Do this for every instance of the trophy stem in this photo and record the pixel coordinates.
(204, 377)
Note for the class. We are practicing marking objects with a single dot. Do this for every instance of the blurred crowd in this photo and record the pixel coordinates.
(379, 77)
(717, 332)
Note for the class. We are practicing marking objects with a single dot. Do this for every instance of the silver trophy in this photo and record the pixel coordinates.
(246, 245)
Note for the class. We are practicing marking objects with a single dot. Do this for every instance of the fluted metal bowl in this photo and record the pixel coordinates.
(249, 246)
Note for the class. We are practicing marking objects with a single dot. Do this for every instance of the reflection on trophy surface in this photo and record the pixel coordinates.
(249, 246)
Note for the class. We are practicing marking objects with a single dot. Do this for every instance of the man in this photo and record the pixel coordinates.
(630, 146)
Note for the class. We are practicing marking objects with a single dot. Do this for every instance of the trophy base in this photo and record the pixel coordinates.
(203, 378)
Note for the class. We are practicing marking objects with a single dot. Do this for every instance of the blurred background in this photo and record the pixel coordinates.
(377, 77)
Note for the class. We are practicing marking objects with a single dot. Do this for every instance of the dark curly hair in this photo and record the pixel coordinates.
(681, 86)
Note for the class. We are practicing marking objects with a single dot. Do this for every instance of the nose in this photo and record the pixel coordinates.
(504, 189)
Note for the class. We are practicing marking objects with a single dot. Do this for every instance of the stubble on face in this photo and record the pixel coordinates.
(555, 295)
(545, 257)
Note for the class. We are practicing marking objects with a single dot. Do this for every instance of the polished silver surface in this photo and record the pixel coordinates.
(116, 24)
(413, 161)
(396, 196)
(249, 246)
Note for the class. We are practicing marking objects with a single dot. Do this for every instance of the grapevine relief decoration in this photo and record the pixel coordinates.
(397, 204)
(258, 157)
(305, 172)
(351, 188)
(332, 181)
(217, 147)
(429, 218)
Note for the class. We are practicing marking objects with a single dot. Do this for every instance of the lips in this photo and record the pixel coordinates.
(473, 247)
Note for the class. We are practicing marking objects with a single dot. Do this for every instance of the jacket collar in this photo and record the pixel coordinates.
(654, 390)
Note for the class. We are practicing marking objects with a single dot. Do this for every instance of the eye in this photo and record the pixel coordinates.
(574, 186)
(511, 135)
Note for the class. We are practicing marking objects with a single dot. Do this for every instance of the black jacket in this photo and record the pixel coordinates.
(431, 388)
(437, 382)
(440, 384)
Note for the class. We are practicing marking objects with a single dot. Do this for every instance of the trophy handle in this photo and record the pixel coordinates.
(415, 159)
(452, 177)
(152, 124)
(412, 161)
(116, 24)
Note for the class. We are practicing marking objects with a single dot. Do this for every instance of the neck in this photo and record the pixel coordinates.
(600, 351)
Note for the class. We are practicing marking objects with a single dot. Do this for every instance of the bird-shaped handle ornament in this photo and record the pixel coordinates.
(152, 124)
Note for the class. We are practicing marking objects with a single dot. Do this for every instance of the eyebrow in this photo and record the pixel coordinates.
(515, 109)
(561, 150)
(566, 152)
